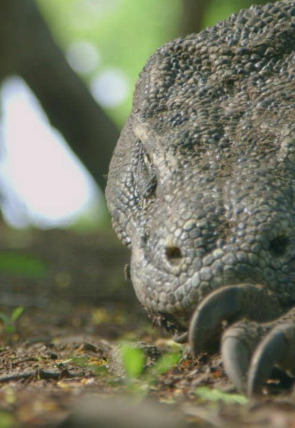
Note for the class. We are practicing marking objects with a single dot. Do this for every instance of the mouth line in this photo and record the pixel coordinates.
(177, 325)
(168, 322)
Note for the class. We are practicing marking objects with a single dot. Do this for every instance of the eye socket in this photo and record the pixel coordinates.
(152, 182)
(146, 175)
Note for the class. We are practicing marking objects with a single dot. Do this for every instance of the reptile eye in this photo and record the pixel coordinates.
(147, 178)
(150, 190)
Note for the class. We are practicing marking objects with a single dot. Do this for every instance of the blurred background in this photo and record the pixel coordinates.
(67, 73)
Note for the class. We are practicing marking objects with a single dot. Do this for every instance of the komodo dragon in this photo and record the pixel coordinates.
(201, 187)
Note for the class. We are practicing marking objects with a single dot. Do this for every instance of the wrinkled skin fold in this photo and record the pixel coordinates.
(201, 189)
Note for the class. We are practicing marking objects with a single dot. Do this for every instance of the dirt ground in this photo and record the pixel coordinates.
(62, 364)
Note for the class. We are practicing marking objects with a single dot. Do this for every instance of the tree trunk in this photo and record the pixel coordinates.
(192, 16)
(27, 48)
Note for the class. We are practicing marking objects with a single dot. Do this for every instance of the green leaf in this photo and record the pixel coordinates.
(6, 420)
(209, 394)
(10, 328)
(166, 363)
(17, 313)
(79, 361)
(4, 318)
(22, 264)
(133, 361)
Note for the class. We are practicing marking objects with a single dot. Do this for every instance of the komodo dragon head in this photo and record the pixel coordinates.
(201, 185)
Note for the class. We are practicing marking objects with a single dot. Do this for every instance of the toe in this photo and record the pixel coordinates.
(236, 356)
(226, 304)
(277, 349)
(238, 344)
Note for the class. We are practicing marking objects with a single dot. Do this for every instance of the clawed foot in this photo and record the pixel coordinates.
(250, 348)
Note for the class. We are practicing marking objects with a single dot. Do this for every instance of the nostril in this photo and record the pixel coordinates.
(144, 239)
(173, 254)
(278, 246)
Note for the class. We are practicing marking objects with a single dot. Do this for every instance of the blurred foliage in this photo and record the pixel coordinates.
(6, 420)
(141, 375)
(133, 361)
(125, 32)
(22, 264)
(221, 9)
(10, 321)
(165, 363)
(215, 395)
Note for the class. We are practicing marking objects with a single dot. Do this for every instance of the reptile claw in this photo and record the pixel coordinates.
(225, 304)
(236, 357)
(276, 349)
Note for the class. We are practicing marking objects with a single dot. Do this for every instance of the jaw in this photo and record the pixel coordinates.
(171, 285)
(178, 293)
(171, 300)
(174, 326)
(217, 311)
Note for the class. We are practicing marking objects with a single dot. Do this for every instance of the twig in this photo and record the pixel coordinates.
(40, 374)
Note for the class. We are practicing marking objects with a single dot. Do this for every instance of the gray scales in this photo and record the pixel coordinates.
(201, 188)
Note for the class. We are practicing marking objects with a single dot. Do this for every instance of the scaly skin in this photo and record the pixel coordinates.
(201, 185)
